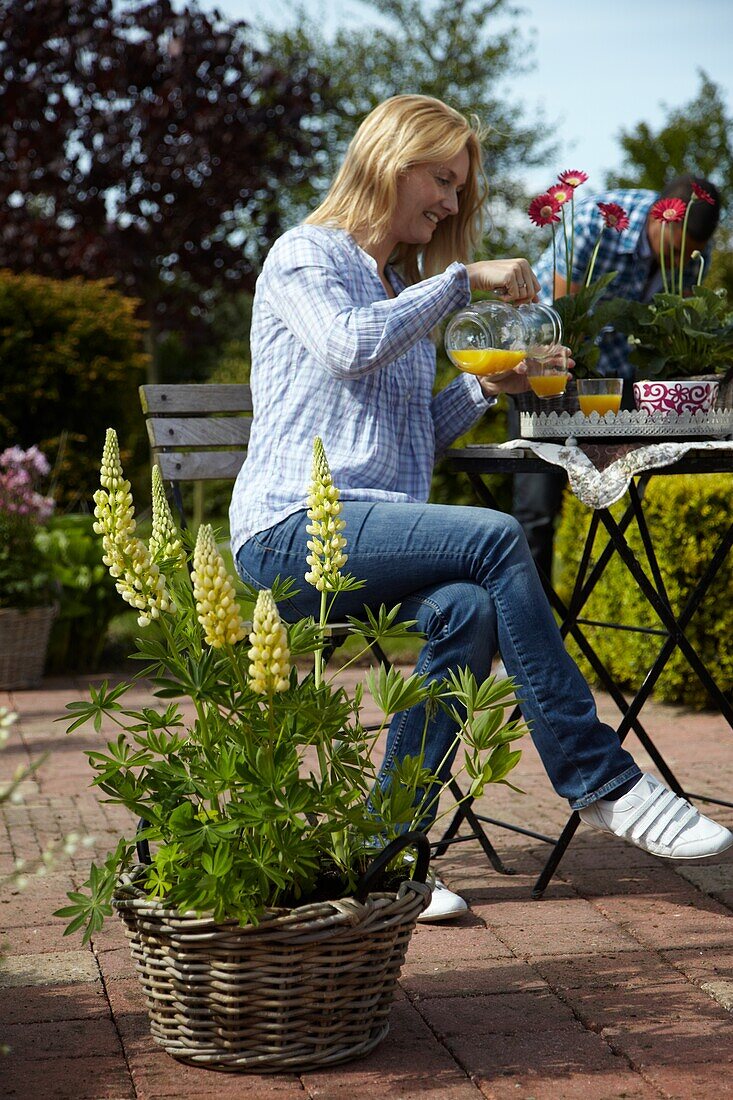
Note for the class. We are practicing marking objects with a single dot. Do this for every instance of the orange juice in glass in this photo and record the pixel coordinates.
(599, 395)
(548, 374)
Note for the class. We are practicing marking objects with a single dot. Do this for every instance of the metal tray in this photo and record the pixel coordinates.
(628, 424)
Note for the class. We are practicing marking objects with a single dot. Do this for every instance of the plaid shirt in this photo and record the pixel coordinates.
(627, 253)
(332, 356)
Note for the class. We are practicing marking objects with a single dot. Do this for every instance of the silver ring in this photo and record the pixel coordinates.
(520, 285)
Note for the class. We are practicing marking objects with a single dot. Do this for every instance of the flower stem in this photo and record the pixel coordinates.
(568, 254)
(699, 256)
(662, 227)
(593, 258)
(572, 238)
(318, 663)
(554, 263)
(682, 242)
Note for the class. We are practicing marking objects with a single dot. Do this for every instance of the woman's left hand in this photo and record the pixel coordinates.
(516, 381)
(509, 381)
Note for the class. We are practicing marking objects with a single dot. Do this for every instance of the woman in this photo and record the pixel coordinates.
(341, 348)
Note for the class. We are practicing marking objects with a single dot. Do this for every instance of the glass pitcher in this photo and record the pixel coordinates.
(491, 337)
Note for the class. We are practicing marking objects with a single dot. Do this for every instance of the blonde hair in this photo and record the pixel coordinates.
(400, 133)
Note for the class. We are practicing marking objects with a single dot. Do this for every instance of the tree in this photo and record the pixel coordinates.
(696, 138)
(148, 145)
(461, 51)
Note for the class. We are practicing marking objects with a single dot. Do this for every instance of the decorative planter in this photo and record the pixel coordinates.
(685, 396)
(23, 644)
(306, 987)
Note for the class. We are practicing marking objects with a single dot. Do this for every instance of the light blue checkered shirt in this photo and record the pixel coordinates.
(332, 356)
(627, 253)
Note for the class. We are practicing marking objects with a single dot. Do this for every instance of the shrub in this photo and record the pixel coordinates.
(86, 593)
(71, 362)
(687, 516)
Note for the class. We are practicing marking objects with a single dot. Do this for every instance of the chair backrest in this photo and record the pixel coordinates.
(198, 432)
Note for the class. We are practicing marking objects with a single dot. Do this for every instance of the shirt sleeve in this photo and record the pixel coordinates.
(306, 290)
(456, 408)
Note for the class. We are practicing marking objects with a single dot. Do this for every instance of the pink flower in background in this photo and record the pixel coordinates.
(19, 470)
(700, 193)
(544, 210)
(614, 216)
(560, 194)
(573, 177)
(668, 210)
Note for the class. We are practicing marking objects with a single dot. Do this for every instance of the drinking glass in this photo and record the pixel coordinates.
(548, 374)
(600, 395)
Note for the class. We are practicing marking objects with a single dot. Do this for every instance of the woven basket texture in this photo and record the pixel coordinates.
(23, 645)
(307, 987)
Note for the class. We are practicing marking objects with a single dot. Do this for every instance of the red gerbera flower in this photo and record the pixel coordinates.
(614, 216)
(668, 210)
(573, 177)
(544, 210)
(700, 193)
(560, 194)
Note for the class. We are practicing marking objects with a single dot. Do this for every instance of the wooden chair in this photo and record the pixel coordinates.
(199, 433)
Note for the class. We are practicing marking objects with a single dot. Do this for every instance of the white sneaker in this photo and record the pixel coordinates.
(444, 904)
(656, 819)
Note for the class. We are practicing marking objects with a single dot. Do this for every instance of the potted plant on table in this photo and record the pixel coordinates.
(682, 342)
(267, 895)
(27, 589)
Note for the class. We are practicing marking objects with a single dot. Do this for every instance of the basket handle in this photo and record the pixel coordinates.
(415, 840)
(142, 847)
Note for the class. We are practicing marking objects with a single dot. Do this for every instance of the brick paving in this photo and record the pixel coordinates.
(618, 983)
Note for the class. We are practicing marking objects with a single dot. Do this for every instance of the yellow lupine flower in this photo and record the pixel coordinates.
(137, 578)
(165, 542)
(269, 651)
(216, 599)
(325, 557)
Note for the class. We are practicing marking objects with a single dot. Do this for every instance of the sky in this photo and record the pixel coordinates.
(599, 67)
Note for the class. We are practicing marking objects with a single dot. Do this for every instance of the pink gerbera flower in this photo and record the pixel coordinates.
(614, 216)
(668, 210)
(560, 194)
(700, 193)
(544, 210)
(573, 177)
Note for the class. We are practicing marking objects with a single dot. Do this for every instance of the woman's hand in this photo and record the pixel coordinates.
(516, 381)
(512, 280)
(509, 381)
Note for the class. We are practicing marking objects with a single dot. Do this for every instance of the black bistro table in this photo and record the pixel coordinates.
(638, 467)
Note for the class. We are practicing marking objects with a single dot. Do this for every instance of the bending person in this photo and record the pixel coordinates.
(341, 348)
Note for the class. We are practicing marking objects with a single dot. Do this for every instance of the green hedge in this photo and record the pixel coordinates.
(71, 361)
(687, 517)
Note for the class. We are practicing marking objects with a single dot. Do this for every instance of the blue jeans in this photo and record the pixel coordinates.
(467, 576)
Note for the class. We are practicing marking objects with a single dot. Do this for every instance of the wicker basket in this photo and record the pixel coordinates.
(307, 987)
(23, 645)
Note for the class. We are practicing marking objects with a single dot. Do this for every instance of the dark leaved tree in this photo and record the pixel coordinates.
(148, 145)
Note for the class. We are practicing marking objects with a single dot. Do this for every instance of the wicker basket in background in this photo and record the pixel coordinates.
(23, 644)
(307, 987)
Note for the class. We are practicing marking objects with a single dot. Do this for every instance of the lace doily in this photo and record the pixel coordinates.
(599, 475)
